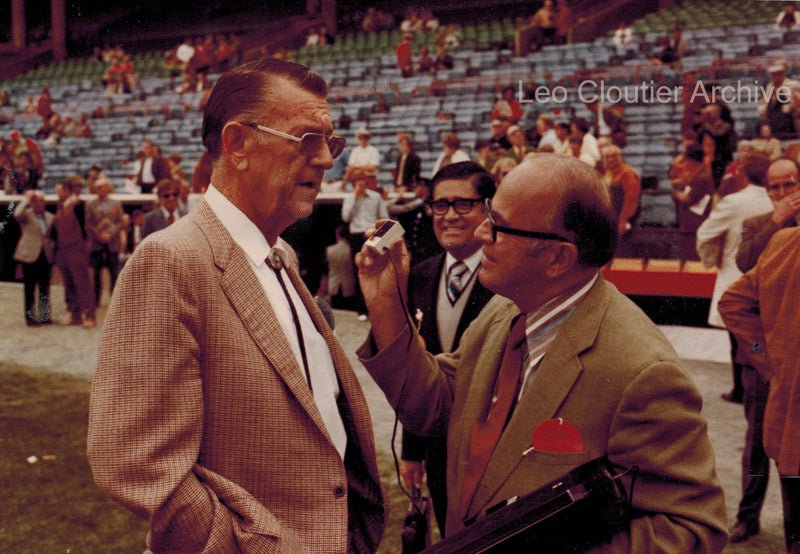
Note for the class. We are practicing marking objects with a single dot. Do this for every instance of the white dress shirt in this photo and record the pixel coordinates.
(256, 248)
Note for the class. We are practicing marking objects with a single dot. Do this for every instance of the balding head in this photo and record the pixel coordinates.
(782, 178)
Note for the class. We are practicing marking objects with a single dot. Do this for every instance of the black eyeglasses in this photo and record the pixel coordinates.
(518, 232)
(169, 195)
(310, 143)
(461, 205)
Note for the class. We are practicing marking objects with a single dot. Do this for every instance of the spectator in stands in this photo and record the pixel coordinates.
(767, 143)
(104, 222)
(341, 276)
(30, 105)
(692, 187)
(734, 179)
(444, 60)
(788, 18)
(564, 21)
(779, 106)
(483, 154)
(374, 21)
(429, 22)
(313, 38)
(450, 154)
(507, 108)
(589, 151)
(499, 138)
(72, 252)
(18, 144)
(5, 98)
(412, 23)
(405, 60)
(453, 38)
(364, 158)
(546, 129)
(425, 63)
(518, 149)
(562, 134)
(611, 124)
(69, 127)
(83, 129)
(44, 105)
(168, 210)
(502, 167)
(623, 40)
(674, 46)
(361, 210)
(184, 54)
(625, 187)
(718, 137)
(152, 169)
(409, 166)
(718, 240)
(34, 251)
(536, 30)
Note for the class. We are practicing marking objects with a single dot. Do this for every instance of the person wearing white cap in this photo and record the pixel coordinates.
(364, 158)
(518, 149)
(779, 105)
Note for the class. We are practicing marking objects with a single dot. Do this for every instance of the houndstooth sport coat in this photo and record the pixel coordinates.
(201, 420)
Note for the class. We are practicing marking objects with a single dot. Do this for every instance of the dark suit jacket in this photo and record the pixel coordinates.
(160, 169)
(423, 286)
(612, 374)
(155, 221)
(411, 169)
(201, 419)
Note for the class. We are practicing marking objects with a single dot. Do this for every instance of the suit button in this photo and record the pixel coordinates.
(338, 492)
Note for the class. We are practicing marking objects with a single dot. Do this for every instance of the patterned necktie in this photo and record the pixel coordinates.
(457, 277)
(486, 434)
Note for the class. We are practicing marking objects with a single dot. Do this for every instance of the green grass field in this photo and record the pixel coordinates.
(52, 504)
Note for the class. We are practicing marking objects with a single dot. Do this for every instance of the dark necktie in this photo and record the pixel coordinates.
(486, 434)
(274, 261)
(456, 277)
(171, 220)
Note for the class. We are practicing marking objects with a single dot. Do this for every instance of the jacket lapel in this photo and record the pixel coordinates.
(246, 295)
(554, 378)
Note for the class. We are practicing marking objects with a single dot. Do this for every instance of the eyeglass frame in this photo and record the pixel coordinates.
(325, 138)
(495, 228)
(452, 204)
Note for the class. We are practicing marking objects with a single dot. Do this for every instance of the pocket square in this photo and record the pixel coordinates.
(557, 436)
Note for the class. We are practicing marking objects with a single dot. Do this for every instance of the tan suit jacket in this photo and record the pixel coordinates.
(612, 374)
(99, 221)
(33, 235)
(760, 309)
(201, 419)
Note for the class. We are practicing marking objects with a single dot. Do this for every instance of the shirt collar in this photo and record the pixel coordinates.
(472, 261)
(243, 231)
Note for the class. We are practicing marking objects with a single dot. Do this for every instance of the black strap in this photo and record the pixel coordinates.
(274, 261)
